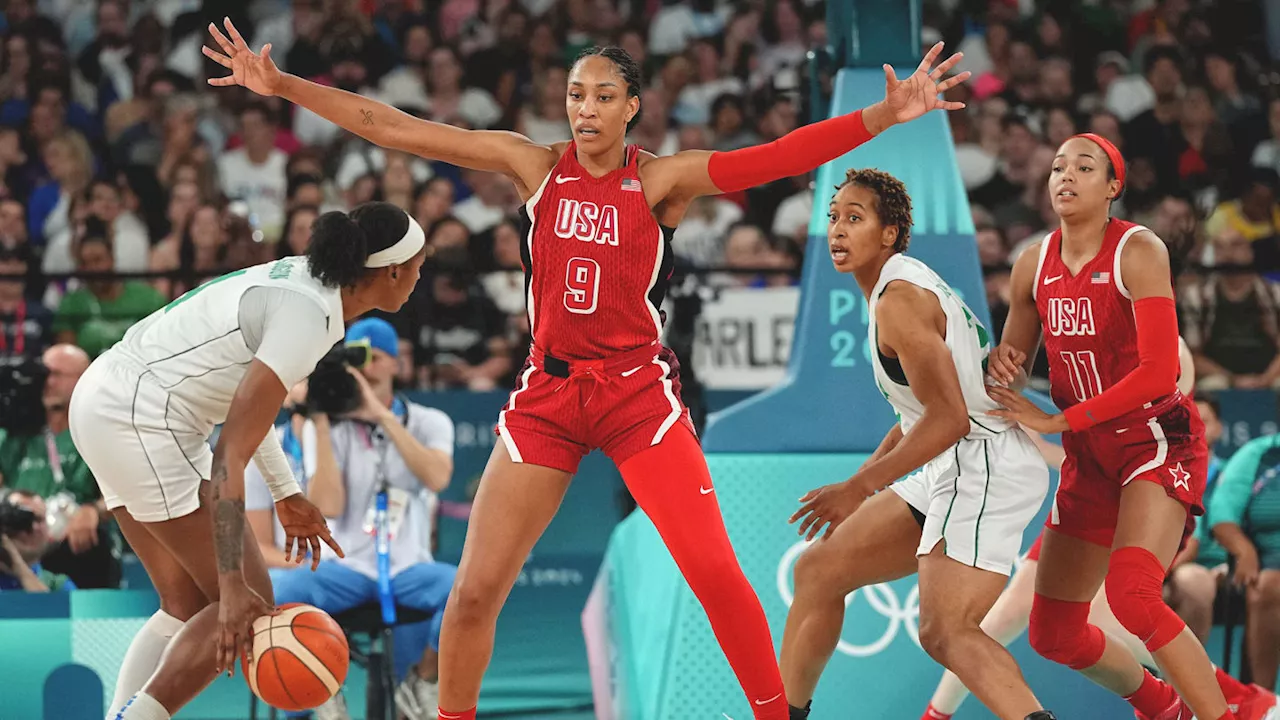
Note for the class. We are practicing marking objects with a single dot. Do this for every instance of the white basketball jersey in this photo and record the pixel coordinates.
(966, 337)
(195, 349)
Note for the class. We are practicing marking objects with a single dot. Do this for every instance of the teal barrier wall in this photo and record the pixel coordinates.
(668, 665)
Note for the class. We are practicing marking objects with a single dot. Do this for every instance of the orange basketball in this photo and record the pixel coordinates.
(299, 658)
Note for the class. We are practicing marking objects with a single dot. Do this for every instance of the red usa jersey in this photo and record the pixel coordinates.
(596, 262)
(1090, 336)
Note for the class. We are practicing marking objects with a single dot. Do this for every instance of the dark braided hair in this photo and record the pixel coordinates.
(627, 67)
(893, 204)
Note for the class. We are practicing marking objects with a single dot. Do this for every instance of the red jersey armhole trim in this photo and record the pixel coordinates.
(1044, 253)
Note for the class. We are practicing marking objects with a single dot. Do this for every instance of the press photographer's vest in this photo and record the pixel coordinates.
(194, 348)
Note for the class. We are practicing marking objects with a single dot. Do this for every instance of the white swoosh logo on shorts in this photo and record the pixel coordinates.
(632, 371)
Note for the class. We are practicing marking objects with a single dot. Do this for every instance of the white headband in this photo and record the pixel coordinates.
(404, 249)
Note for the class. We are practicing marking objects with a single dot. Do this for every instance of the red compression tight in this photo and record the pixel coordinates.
(672, 485)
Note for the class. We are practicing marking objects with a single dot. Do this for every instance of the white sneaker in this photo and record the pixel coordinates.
(418, 699)
(335, 708)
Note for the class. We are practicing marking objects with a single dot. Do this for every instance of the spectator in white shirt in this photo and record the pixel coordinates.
(255, 172)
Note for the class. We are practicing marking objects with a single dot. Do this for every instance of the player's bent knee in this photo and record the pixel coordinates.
(1060, 631)
(936, 636)
(1135, 580)
(474, 601)
(816, 572)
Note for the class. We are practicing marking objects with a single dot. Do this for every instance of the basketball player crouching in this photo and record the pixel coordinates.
(958, 520)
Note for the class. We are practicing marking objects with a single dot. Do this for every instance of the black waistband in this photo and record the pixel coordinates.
(555, 367)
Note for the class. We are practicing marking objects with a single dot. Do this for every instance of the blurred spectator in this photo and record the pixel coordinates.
(20, 551)
(434, 201)
(46, 464)
(654, 131)
(700, 236)
(1267, 153)
(1201, 567)
(451, 101)
(13, 223)
(1234, 106)
(693, 106)
(1242, 520)
(297, 230)
(12, 160)
(745, 248)
(126, 232)
(680, 21)
(1153, 134)
(26, 326)
(1230, 321)
(390, 440)
(50, 221)
(505, 284)
(728, 123)
(493, 198)
(200, 252)
(97, 315)
(255, 173)
(1256, 214)
(544, 121)
(459, 335)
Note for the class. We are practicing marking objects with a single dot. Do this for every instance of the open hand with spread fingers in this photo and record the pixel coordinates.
(828, 506)
(1021, 410)
(922, 92)
(256, 71)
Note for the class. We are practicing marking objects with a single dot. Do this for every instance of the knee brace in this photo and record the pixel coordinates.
(1135, 580)
(1060, 631)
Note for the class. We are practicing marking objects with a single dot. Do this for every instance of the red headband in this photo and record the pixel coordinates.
(1113, 154)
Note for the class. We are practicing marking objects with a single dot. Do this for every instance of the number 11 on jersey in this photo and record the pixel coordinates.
(1083, 368)
(582, 277)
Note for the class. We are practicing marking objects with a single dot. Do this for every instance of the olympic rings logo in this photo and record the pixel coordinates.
(881, 598)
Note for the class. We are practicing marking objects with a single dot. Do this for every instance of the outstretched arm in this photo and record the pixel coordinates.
(380, 124)
(698, 172)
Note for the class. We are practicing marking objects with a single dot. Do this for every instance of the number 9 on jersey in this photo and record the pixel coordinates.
(582, 277)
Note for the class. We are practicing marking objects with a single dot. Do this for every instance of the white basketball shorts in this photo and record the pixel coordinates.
(978, 498)
(145, 456)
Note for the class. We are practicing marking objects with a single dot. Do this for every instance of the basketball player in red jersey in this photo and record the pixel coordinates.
(599, 217)
(1134, 472)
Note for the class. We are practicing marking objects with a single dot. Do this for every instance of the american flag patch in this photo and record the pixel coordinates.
(631, 184)
(1101, 278)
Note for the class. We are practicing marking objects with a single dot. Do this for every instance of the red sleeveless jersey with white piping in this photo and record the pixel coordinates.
(596, 262)
(1090, 336)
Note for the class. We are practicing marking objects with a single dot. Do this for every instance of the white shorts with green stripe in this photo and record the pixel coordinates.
(978, 497)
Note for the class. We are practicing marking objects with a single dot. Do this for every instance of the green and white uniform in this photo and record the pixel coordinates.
(142, 414)
(979, 495)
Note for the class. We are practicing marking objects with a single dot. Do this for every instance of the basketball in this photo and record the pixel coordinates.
(299, 658)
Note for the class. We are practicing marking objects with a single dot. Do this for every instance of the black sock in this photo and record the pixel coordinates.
(1042, 715)
(800, 713)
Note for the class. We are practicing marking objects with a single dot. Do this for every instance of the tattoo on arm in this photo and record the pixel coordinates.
(228, 525)
(368, 116)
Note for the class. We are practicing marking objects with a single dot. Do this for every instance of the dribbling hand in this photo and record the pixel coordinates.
(922, 92)
(238, 607)
(255, 71)
(304, 527)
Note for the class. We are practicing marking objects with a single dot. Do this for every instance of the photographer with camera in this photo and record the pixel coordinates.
(24, 538)
(369, 440)
(38, 456)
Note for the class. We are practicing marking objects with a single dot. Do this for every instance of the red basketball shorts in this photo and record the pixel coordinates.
(1167, 449)
(562, 410)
